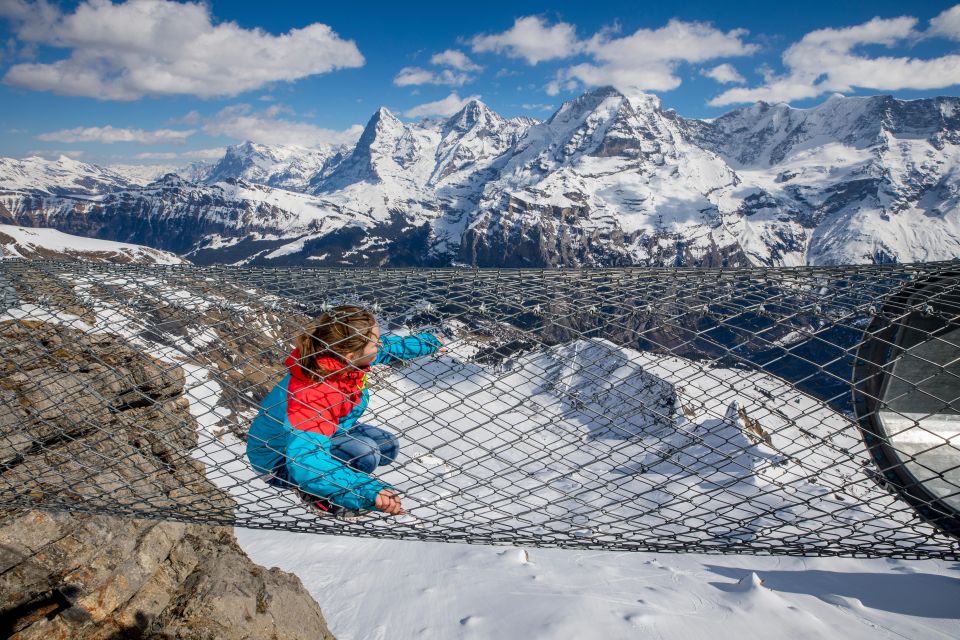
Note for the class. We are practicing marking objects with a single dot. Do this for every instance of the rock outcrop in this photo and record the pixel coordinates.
(70, 399)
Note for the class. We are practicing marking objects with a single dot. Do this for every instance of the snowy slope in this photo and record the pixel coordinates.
(61, 176)
(50, 244)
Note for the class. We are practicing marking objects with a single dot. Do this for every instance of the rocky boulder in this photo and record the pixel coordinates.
(71, 400)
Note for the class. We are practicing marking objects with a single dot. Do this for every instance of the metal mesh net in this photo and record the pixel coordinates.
(769, 411)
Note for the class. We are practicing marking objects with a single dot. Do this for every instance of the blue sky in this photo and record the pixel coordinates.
(161, 82)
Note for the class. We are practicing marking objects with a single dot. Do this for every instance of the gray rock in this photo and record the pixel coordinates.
(71, 399)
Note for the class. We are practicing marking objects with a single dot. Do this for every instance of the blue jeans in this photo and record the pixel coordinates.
(364, 447)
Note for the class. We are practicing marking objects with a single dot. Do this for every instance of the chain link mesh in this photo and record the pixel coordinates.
(803, 411)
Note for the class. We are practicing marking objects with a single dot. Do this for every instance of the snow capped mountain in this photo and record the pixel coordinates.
(286, 167)
(607, 180)
(848, 181)
(61, 176)
(859, 179)
(472, 138)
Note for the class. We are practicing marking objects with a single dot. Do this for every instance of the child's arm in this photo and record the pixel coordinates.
(311, 467)
(394, 348)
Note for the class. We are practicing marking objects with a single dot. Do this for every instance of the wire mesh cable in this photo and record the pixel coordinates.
(801, 411)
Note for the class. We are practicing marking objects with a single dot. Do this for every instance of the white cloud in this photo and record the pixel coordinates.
(537, 107)
(826, 61)
(456, 76)
(190, 118)
(157, 155)
(626, 77)
(415, 76)
(445, 107)
(109, 135)
(647, 59)
(241, 122)
(456, 59)
(159, 47)
(205, 154)
(644, 60)
(947, 24)
(532, 39)
(194, 154)
(724, 74)
(558, 84)
(54, 154)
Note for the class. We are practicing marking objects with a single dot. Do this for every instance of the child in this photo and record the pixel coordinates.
(306, 434)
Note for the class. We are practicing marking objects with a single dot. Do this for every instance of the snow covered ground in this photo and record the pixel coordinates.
(27, 242)
(379, 589)
(387, 589)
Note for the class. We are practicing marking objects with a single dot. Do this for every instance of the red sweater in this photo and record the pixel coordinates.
(318, 406)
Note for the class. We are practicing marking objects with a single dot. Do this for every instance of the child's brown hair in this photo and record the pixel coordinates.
(337, 332)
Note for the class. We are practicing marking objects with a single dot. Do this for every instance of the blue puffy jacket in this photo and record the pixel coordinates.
(290, 437)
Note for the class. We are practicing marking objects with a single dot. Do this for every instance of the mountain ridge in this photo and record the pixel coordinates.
(606, 180)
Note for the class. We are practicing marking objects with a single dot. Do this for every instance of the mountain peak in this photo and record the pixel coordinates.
(380, 122)
(383, 114)
(472, 113)
(475, 104)
(606, 91)
(68, 161)
(589, 102)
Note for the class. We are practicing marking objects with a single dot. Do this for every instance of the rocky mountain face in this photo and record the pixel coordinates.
(74, 399)
(608, 179)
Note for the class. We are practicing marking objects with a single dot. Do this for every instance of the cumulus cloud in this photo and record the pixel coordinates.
(158, 47)
(456, 59)
(532, 39)
(644, 60)
(947, 24)
(460, 66)
(647, 59)
(110, 135)
(828, 61)
(724, 74)
(415, 76)
(444, 107)
(242, 122)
